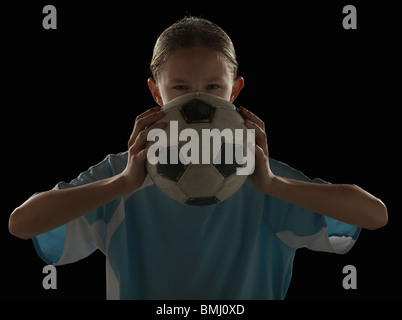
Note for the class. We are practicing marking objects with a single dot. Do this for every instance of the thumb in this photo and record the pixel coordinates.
(259, 155)
(142, 155)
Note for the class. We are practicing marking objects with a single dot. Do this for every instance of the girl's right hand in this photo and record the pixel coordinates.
(135, 171)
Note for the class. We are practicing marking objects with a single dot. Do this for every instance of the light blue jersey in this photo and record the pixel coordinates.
(157, 248)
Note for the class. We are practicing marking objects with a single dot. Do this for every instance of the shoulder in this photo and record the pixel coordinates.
(113, 164)
(117, 162)
(284, 170)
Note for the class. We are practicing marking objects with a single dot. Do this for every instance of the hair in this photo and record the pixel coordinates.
(192, 32)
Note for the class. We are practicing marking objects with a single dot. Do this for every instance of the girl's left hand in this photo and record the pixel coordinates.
(262, 176)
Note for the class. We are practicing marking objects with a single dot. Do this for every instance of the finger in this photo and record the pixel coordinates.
(141, 116)
(259, 155)
(260, 135)
(149, 111)
(142, 137)
(251, 116)
(144, 121)
(142, 155)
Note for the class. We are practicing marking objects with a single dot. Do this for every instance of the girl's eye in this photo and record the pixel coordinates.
(212, 86)
(180, 87)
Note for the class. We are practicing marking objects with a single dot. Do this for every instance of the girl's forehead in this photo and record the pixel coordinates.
(195, 61)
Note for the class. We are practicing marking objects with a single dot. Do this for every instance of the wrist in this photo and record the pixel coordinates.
(273, 186)
(123, 184)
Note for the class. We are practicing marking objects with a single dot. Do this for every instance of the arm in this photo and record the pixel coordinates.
(345, 203)
(51, 209)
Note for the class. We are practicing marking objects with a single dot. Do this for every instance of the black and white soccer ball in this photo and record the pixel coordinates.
(211, 179)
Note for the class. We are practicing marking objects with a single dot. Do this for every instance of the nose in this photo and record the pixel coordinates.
(198, 90)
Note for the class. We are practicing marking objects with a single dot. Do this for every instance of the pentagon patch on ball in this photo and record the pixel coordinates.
(197, 111)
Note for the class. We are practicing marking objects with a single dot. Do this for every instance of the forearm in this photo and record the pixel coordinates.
(345, 203)
(51, 209)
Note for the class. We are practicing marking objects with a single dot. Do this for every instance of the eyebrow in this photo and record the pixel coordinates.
(179, 80)
(215, 79)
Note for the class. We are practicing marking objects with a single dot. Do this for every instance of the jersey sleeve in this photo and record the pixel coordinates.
(298, 227)
(80, 237)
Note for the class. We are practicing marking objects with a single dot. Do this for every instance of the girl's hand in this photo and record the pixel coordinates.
(135, 171)
(262, 176)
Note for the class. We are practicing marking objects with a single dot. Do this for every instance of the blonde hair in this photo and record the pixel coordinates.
(192, 32)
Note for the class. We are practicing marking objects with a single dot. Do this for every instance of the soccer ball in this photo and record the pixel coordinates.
(184, 163)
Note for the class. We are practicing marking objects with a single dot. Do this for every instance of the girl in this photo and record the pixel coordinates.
(156, 248)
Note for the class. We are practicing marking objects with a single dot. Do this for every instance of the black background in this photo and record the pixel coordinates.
(329, 98)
